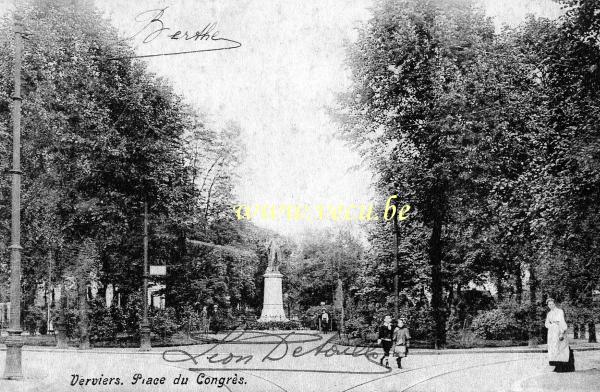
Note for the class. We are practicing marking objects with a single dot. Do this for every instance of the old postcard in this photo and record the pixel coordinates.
(299, 195)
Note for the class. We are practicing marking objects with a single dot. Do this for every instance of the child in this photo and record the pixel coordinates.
(386, 332)
(401, 340)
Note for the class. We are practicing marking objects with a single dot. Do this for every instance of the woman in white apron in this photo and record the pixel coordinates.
(559, 354)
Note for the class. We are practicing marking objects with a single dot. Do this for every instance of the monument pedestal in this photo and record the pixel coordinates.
(273, 299)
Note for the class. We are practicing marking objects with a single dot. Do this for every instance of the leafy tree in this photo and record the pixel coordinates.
(418, 82)
(488, 136)
(322, 257)
(101, 135)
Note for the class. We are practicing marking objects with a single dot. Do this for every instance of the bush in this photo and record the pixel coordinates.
(132, 314)
(462, 339)
(495, 324)
(34, 320)
(223, 321)
(357, 328)
(528, 319)
(511, 320)
(467, 305)
(421, 324)
(118, 318)
(71, 321)
(189, 319)
(164, 322)
(103, 325)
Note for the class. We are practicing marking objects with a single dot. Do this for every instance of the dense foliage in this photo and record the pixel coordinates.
(101, 136)
(492, 138)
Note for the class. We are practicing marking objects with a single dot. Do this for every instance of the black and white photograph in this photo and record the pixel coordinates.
(299, 195)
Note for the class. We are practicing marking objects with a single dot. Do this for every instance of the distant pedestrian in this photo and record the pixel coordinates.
(324, 320)
(215, 319)
(559, 353)
(204, 320)
(386, 335)
(401, 341)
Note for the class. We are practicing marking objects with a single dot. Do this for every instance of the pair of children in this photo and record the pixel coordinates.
(393, 336)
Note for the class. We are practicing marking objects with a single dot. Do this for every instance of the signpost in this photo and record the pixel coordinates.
(158, 270)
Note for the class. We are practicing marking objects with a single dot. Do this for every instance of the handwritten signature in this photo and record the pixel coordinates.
(155, 27)
(281, 349)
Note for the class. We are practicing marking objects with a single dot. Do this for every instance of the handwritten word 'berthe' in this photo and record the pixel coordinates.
(154, 26)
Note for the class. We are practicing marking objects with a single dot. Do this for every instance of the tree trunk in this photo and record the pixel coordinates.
(575, 331)
(61, 338)
(518, 283)
(499, 288)
(450, 305)
(458, 309)
(84, 325)
(215, 178)
(533, 328)
(592, 332)
(435, 260)
(532, 286)
(207, 174)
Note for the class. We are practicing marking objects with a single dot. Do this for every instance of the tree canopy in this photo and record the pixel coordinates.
(490, 137)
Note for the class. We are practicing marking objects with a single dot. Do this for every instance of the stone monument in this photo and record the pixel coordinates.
(273, 298)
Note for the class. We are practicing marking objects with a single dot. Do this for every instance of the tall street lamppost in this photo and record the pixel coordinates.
(396, 266)
(14, 342)
(145, 325)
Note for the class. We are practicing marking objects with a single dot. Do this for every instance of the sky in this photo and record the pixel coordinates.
(277, 85)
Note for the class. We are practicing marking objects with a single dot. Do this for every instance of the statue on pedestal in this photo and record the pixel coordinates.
(274, 256)
(273, 298)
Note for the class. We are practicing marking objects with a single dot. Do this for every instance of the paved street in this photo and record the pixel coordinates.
(267, 363)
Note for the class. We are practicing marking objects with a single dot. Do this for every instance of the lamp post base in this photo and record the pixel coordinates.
(14, 342)
(145, 337)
